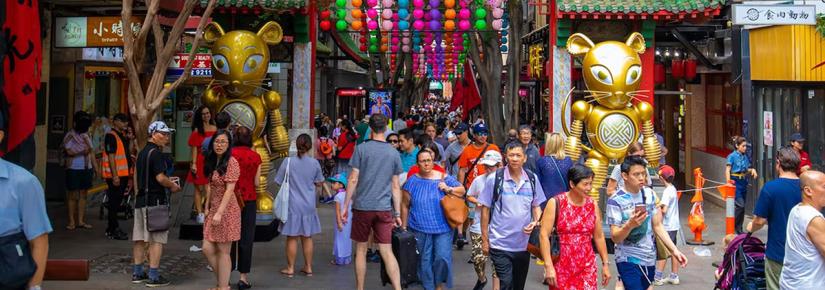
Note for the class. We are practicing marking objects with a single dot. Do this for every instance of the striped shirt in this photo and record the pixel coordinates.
(426, 215)
(639, 246)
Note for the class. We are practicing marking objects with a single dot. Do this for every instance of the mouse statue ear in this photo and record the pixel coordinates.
(212, 32)
(636, 42)
(271, 33)
(579, 44)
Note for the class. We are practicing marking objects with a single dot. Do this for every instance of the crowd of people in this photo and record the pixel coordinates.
(387, 177)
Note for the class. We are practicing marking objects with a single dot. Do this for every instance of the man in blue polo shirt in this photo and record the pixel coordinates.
(773, 207)
(23, 219)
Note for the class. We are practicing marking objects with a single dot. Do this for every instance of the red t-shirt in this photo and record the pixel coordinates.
(804, 160)
(346, 146)
(414, 169)
(248, 162)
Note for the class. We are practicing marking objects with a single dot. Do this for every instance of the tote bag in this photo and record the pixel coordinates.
(281, 207)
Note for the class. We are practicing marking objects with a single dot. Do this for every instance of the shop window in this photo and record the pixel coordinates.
(723, 109)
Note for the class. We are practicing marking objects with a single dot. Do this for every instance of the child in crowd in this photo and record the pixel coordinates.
(670, 206)
(726, 241)
(342, 245)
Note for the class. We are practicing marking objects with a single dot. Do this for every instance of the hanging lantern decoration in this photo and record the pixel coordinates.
(690, 69)
(677, 68)
(659, 73)
(325, 23)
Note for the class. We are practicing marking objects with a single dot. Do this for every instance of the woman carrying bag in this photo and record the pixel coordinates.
(421, 210)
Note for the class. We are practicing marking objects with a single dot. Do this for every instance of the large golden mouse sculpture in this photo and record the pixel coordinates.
(612, 72)
(239, 63)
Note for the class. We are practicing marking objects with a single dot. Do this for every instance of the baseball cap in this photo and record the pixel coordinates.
(797, 137)
(461, 128)
(160, 126)
(480, 128)
(491, 158)
(666, 171)
(340, 178)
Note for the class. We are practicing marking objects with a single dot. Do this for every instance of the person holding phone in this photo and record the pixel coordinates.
(634, 220)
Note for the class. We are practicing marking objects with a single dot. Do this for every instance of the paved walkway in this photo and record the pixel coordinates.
(111, 260)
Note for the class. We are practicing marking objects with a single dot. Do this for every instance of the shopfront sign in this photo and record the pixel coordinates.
(351, 92)
(767, 128)
(108, 54)
(92, 31)
(201, 65)
(747, 14)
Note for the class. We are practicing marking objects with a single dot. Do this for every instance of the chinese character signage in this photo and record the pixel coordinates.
(745, 14)
(201, 66)
(92, 31)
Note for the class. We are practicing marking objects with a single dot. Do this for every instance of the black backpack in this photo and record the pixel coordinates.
(500, 181)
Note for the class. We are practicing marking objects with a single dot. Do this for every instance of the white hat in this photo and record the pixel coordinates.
(491, 158)
(160, 126)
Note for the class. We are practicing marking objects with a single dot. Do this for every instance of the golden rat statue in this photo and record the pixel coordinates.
(612, 72)
(240, 60)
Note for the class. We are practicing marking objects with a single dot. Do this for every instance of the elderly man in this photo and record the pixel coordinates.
(804, 265)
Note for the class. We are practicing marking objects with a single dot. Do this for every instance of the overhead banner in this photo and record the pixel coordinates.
(92, 31)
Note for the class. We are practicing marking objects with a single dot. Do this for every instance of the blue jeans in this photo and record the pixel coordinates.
(739, 202)
(435, 266)
(633, 276)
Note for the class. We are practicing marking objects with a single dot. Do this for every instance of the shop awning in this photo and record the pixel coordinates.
(638, 9)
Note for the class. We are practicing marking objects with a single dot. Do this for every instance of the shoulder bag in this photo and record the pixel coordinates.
(455, 208)
(281, 207)
(158, 215)
(472, 167)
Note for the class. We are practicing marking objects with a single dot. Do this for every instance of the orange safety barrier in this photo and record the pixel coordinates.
(696, 218)
(728, 192)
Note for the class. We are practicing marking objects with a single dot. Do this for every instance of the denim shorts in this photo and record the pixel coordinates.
(635, 276)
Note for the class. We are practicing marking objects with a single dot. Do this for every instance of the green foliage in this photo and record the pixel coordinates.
(820, 24)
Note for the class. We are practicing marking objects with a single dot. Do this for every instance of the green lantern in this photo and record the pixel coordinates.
(481, 24)
(341, 13)
(341, 25)
(481, 13)
(341, 3)
(373, 48)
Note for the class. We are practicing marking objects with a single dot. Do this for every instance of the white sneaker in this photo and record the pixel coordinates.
(660, 282)
(200, 218)
(673, 280)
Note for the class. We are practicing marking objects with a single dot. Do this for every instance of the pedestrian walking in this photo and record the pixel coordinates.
(345, 146)
(552, 168)
(249, 163)
(375, 200)
(302, 222)
(634, 219)
(669, 205)
(222, 226)
(116, 169)
(421, 211)
(491, 161)
(531, 151)
(325, 151)
(81, 166)
(204, 127)
(798, 145)
(341, 242)
(407, 148)
(468, 165)
(804, 264)
(392, 139)
(431, 130)
(776, 200)
(737, 170)
(577, 221)
(151, 187)
(510, 211)
(454, 150)
(24, 232)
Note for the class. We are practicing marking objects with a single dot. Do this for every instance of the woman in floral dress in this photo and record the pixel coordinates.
(223, 214)
(579, 223)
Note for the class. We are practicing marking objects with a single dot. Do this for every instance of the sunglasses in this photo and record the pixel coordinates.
(393, 141)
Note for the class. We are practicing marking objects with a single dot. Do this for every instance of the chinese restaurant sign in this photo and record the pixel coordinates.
(745, 14)
(201, 67)
(92, 31)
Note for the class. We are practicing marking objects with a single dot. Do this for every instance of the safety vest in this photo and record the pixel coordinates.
(121, 164)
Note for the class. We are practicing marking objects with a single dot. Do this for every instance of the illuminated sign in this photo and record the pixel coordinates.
(92, 31)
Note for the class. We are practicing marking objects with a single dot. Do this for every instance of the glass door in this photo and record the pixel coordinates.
(814, 129)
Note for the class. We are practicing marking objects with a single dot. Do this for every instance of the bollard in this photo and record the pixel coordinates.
(729, 193)
(696, 218)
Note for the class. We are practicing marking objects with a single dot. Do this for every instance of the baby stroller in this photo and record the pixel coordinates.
(125, 205)
(743, 267)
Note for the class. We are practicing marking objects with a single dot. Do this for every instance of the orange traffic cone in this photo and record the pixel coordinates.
(696, 218)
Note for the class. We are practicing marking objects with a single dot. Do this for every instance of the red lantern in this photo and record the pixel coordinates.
(677, 69)
(325, 25)
(658, 73)
(325, 14)
(690, 69)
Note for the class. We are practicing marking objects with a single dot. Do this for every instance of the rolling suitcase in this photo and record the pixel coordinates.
(406, 252)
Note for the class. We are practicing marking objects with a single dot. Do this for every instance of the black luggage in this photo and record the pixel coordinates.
(405, 251)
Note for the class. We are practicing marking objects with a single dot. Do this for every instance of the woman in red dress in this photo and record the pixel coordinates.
(579, 223)
(204, 127)
(223, 214)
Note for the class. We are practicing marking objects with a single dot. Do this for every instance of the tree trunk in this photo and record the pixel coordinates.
(144, 103)
(489, 80)
(511, 103)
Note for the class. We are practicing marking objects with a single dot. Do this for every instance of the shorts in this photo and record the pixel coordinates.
(672, 235)
(78, 179)
(139, 232)
(635, 276)
(379, 222)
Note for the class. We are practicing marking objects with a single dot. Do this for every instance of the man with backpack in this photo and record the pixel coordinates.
(24, 232)
(775, 202)
(511, 210)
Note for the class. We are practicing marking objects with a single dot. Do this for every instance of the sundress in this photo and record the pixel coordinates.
(576, 268)
(196, 140)
(229, 230)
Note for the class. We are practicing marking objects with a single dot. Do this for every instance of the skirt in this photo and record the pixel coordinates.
(301, 225)
(79, 179)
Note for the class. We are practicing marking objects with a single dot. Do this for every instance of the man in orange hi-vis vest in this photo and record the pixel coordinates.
(117, 167)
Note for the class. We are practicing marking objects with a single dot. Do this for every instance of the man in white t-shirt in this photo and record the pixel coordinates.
(491, 161)
(804, 265)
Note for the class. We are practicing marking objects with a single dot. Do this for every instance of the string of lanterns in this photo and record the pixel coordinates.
(432, 32)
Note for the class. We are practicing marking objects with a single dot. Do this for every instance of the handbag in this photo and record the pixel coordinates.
(534, 242)
(281, 207)
(16, 263)
(157, 216)
(455, 208)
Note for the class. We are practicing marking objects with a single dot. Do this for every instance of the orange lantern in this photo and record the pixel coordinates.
(356, 3)
(449, 13)
(357, 13)
(449, 3)
(357, 25)
(384, 47)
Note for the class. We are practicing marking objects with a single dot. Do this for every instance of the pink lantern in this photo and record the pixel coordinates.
(372, 3)
(497, 24)
(395, 41)
(498, 12)
(387, 25)
(405, 40)
(418, 13)
(386, 13)
(418, 3)
(372, 25)
(372, 13)
(464, 24)
(406, 49)
(418, 25)
(464, 13)
(387, 3)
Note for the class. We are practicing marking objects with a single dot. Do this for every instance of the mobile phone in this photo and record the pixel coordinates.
(175, 180)
(641, 208)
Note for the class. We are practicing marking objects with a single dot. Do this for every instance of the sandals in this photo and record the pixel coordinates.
(70, 227)
(287, 273)
(308, 274)
(85, 226)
